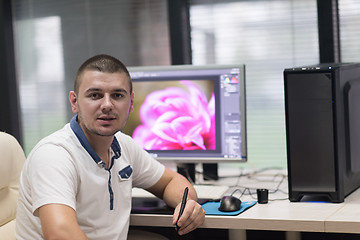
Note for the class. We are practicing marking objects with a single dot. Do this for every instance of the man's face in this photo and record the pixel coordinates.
(103, 102)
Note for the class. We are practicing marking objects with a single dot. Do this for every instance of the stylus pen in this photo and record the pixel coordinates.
(183, 203)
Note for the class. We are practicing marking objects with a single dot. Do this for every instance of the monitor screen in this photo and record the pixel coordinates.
(190, 113)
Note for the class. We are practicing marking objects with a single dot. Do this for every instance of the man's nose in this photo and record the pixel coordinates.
(107, 103)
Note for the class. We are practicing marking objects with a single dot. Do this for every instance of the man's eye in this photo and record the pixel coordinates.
(94, 95)
(118, 95)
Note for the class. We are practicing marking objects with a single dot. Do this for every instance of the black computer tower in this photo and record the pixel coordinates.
(322, 112)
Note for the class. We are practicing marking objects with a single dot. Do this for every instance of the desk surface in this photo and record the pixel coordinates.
(347, 218)
(280, 215)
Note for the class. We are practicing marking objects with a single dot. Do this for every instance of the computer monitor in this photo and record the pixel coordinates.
(189, 113)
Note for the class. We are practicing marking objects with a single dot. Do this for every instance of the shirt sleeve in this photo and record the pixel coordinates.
(53, 177)
(147, 170)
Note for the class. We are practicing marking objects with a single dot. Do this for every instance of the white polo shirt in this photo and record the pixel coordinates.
(61, 169)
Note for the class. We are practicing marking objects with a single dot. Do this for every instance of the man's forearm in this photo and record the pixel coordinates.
(173, 192)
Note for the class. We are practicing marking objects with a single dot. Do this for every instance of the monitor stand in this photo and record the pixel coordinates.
(210, 171)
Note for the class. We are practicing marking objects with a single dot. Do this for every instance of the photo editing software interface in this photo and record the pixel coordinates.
(190, 113)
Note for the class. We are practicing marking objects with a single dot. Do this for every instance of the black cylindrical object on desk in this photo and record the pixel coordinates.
(262, 195)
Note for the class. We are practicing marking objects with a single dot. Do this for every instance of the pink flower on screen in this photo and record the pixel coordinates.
(174, 119)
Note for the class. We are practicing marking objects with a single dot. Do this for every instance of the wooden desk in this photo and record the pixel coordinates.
(347, 218)
(280, 215)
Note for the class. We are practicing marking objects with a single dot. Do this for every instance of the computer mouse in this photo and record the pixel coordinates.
(229, 204)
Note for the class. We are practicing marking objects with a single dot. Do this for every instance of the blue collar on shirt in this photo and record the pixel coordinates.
(85, 143)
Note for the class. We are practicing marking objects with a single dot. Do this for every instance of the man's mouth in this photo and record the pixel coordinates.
(106, 118)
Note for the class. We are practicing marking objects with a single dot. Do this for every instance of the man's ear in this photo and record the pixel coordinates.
(131, 102)
(73, 102)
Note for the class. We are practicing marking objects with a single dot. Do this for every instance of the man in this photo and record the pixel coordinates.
(76, 183)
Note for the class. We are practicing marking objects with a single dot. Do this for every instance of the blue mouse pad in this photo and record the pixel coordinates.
(211, 208)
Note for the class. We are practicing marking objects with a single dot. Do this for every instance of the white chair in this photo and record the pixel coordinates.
(12, 159)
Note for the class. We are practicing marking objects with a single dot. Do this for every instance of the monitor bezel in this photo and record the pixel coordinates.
(207, 159)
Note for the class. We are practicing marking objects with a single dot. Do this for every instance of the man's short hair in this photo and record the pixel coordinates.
(101, 63)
